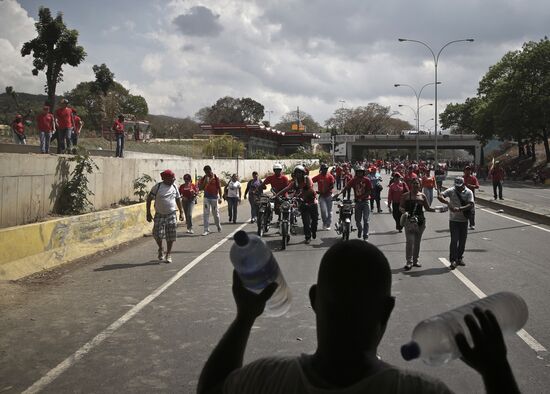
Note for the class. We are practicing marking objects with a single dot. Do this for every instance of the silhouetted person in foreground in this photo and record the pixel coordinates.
(352, 303)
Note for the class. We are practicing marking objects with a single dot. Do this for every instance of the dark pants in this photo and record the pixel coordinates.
(338, 182)
(375, 196)
(497, 185)
(119, 145)
(253, 208)
(396, 213)
(74, 138)
(459, 232)
(188, 206)
(232, 203)
(362, 217)
(472, 217)
(64, 140)
(310, 217)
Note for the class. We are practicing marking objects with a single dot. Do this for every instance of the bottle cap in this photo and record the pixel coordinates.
(241, 238)
(410, 351)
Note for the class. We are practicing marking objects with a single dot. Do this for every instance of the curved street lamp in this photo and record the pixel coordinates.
(436, 61)
(417, 118)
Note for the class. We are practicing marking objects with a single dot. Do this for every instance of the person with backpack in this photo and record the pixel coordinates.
(460, 202)
(167, 201)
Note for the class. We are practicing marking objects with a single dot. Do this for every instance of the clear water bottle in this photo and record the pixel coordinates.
(441, 208)
(433, 340)
(257, 268)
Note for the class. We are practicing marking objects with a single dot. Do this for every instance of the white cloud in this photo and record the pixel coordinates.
(152, 63)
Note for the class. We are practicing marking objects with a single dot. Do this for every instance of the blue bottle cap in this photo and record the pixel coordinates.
(410, 351)
(241, 238)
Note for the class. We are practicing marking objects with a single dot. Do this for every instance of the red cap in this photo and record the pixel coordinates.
(167, 174)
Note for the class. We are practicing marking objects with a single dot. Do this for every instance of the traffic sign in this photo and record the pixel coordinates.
(345, 138)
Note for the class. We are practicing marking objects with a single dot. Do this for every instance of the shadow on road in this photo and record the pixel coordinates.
(111, 267)
(429, 271)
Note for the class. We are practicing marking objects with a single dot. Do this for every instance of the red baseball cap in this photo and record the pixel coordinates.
(167, 174)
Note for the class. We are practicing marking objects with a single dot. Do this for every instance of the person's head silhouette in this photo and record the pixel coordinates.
(352, 299)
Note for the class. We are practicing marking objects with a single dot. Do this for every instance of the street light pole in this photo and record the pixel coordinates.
(436, 61)
(417, 114)
(417, 95)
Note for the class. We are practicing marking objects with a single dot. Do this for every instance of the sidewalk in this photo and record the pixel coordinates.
(521, 198)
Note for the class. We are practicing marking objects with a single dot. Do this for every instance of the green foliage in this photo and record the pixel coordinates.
(371, 119)
(55, 46)
(169, 127)
(285, 124)
(322, 156)
(140, 186)
(223, 146)
(232, 110)
(104, 78)
(95, 108)
(75, 191)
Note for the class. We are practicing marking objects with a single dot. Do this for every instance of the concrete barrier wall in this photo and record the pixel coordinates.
(30, 183)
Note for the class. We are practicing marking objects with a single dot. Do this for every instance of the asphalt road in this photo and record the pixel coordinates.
(100, 326)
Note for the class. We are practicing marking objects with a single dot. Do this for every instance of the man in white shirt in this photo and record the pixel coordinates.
(460, 202)
(167, 200)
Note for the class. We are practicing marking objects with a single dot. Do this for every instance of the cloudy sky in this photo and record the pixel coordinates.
(183, 55)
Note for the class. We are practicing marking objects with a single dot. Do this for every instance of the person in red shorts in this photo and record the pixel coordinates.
(45, 124)
(188, 191)
(64, 119)
(471, 182)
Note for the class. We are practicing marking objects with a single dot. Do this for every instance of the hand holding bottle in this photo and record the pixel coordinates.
(250, 305)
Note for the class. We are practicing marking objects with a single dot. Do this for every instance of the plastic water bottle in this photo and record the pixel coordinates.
(441, 208)
(433, 340)
(257, 268)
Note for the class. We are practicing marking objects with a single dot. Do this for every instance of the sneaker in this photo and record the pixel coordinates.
(400, 230)
(417, 264)
(408, 266)
(168, 258)
(307, 241)
(365, 237)
(191, 231)
(219, 229)
(460, 262)
(161, 254)
(359, 232)
(313, 235)
(472, 227)
(453, 265)
(380, 211)
(206, 232)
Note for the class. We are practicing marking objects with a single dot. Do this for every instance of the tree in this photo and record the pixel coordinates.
(232, 110)
(223, 146)
(371, 119)
(55, 46)
(104, 78)
(290, 118)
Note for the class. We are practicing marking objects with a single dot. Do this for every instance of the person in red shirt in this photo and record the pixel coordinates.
(396, 189)
(471, 182)
(78, 124)
(346, 178)
(118, 128)
(303, 186)
(325, 185)
(339, 178)
(410, 176)
(278, 182)
(497, 176)
(65, 124)
(18, 128)
(362, 188)
(45, 123)
(211, 185)
(428, 185)
(188, 191)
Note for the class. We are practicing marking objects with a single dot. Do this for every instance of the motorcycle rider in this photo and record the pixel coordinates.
(278, 182)
(303, 186)
(362, 188)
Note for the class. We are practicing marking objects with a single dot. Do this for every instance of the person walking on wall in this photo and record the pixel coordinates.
(18, 129)
(253, 190)
(233, 197)
(167, 201)
(413, 204)
(118, 128)
(188, 192)
(210, 184)
(64, 119)
(78, 124)
(45, 123)
(460, 202)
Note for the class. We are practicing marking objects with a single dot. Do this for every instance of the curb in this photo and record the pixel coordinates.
(522, 213)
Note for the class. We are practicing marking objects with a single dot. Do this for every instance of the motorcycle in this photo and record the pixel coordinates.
(265, 214)
(345, 213)
(289, 221)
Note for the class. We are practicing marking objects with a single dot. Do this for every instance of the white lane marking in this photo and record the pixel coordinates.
(524, 335)
(515, 220)
(86, 348)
